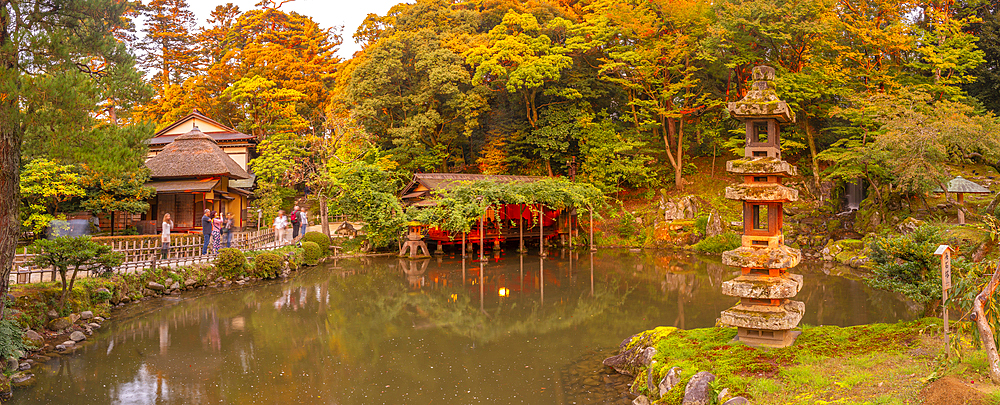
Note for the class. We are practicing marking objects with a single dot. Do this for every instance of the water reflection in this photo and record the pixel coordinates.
(440, 330)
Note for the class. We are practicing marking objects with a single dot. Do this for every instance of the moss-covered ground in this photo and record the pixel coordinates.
(866, 364)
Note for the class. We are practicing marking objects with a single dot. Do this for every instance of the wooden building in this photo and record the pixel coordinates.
(503, 223)
(239, 146)
(193, 173)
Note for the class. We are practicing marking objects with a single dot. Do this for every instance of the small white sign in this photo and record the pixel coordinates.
(945, 252)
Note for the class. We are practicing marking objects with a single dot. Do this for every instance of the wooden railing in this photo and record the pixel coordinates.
(144, 253)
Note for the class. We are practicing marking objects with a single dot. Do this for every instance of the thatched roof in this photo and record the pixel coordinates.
(961, 185)
(194, 154)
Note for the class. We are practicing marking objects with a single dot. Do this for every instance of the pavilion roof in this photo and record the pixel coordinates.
(961, 185)
(193, 155)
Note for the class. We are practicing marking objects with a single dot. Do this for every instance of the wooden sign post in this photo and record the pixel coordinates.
(945, 252)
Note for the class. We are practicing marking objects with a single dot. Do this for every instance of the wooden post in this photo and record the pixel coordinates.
(945, 252)
(481, 238)
(520, 229)
(592, 248)
(961, 204)
(569, 227)
(541, 231)
(464, 234)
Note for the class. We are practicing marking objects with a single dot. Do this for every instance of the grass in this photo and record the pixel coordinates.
(866, 364)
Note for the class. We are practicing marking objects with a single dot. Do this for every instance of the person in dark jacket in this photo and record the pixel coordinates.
(295, 221)
(206, 231)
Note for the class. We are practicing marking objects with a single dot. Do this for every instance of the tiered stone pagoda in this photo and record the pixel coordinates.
(765, 314)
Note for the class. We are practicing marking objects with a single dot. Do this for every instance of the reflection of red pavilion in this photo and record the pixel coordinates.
(765, 314)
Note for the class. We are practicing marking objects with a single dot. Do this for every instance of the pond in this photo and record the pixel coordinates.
(384, 330)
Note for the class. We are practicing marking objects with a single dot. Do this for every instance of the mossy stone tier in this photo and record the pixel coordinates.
(762, 166)
(771, 192)
(763, 317)
(763, 287)
(762, 258)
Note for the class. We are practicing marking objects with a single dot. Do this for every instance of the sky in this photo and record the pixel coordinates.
(328, 13)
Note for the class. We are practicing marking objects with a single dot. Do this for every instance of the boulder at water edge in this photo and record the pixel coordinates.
(86, 315)
(737, 401)
(32, 339)
(77, 336)
(21, 378)
(52, 314)
(641, 400)
(155, 286)
(58, 324)
(670, 380)
(699, 389)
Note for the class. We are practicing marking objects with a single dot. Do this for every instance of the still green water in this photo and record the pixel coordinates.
(384, 330)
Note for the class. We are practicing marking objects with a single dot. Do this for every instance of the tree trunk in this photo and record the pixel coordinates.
(679, 168)
(983, 324)
(323, 213)
(11, 134)
(810, 131)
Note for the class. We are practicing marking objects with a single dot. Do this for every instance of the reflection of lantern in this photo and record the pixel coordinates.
(504, 292)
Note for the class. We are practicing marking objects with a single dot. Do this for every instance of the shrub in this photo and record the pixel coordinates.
(11, 344)
(700, 223)
(230, 262)
(319, 239)
(907, 264)
(313, 253)
(267, 265)
(718, 243)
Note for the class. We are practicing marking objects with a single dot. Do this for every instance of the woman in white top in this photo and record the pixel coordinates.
(303, 222)
(168, 224)
(280, 223)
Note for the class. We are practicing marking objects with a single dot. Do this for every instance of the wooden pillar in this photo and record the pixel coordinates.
(464, 235)
(541, 230)
(520, 229)
(961, 204)
(592, 248)
(482, 239)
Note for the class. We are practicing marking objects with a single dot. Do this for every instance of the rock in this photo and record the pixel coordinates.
(103, 290)
(32, 339)
(60, 347)
(52, 314)
(714, 225)
(99, 319)
(21, 379)
(155, 286)
(94, 325)
(909, 225)
(650, 385)
(699, 390)
(722, 395)
(87, 315)
(11, 364)
(634, 354)
(737, 401)
(126, 299)
(58, 324)
(679, 208)
(670, 380)
(641, 400)
(77, 336)
(190, 282)
(24, 366)
(74, 317)
(175, 286)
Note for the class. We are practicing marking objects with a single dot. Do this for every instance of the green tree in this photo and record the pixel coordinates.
(168, 43)
(56, 36)
(63, 252)
(45, 185)
(653, 55)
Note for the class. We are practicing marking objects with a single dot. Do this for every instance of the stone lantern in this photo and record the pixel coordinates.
(765, 313)
(414, 242)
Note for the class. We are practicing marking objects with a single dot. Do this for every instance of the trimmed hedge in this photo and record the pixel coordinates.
(267, 265)
(230, 262)
(319, 239)
(313, 253)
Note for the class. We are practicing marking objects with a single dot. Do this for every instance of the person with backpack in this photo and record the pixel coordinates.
(295, 220)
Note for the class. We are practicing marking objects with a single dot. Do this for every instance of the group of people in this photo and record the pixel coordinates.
(217, 227)
(298, 221)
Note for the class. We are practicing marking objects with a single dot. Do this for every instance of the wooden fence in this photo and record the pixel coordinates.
(144, 253)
